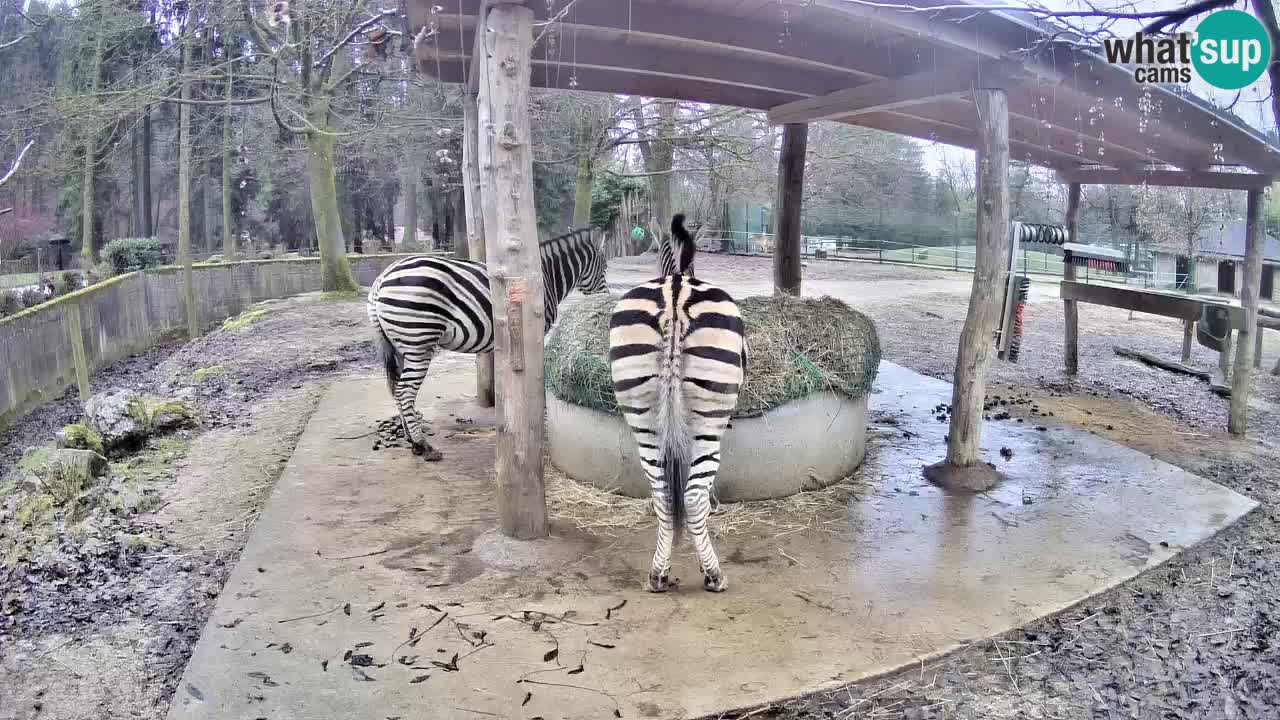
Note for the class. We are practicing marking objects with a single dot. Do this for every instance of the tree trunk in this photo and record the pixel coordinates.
(585, 177)
(515, 268)
(410, 241)
(206, 203)
(135, 182)
(334, 267)
(88, 238)
(1241, 374)
(659, 154)
(184, 198)
(790, 198)
(147, 228)
(228, 228)
(963, 468)
(472, 205)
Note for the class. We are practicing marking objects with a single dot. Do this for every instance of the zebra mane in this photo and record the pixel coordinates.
(573, 237)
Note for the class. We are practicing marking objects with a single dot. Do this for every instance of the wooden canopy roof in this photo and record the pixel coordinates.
(904, 71)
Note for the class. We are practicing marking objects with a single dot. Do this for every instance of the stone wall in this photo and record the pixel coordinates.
(132, 312)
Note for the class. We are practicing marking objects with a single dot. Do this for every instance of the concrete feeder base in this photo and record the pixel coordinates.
(804, 445)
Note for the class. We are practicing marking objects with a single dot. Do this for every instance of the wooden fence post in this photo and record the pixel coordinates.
(1070, 340)
(475, 225)
(790, 197)
(515, 269)
(963, 469)
(75, 333)
(1241, 374)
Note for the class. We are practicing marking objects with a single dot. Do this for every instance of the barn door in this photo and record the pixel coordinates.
(1227, 277)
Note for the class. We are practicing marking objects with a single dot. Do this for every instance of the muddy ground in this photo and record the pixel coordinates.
(103, 627)
(1196, 638)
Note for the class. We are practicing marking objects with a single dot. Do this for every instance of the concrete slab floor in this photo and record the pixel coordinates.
(525, 630)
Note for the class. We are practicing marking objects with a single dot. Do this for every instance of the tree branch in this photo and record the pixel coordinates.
(377, 18)
(1177, 17)
(275, 111)
(16, 163)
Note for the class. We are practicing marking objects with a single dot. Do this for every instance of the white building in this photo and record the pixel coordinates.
(1219, 262)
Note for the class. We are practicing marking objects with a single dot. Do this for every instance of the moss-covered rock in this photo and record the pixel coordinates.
(124, 420)
(244, 319)
(79, 436)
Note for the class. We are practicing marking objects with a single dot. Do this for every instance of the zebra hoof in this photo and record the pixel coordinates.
(656, 583)
(427, 452)
(715, 583)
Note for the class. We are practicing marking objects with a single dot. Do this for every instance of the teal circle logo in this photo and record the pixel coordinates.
(1231, 49)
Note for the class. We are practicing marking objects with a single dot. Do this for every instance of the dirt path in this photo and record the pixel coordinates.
(111, 638)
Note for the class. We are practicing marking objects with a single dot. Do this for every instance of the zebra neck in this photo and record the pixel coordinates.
(559, 277)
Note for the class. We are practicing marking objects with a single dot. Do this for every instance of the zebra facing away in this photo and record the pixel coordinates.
(422, 304)
(678, 355)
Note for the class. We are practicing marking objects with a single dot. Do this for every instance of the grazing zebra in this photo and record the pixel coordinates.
(678, 355)
(422, 304)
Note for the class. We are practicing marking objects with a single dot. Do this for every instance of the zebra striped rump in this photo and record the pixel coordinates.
(677, 354)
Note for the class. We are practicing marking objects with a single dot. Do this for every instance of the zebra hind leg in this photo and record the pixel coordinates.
(659, 572)
(697, 502)
(406, 395)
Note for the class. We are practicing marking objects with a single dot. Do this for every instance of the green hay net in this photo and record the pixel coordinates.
(798, 346)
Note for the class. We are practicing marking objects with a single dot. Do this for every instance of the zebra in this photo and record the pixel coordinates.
(668, 252)
(678, 357)
(425, 303)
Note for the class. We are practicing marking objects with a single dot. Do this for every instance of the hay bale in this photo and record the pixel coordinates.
(797, 346)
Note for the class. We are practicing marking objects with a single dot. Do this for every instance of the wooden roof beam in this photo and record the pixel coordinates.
(695, 29)
(1166, 178)
(896, 93)
(960, 136)
(622, 55)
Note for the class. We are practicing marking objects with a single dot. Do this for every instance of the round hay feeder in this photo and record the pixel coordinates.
(801, 422)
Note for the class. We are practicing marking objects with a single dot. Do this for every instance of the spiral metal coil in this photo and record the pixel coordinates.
(1043, 234)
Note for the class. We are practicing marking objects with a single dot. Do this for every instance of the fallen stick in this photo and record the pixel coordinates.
(1174, 367)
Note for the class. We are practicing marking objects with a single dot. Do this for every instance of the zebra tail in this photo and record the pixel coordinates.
(392, 363)
(685, 244)
(674, 441)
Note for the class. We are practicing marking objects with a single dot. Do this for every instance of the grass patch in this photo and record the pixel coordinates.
(342, 295)
(34, 460)
(198, 376)
(155, 462)
(244, 319)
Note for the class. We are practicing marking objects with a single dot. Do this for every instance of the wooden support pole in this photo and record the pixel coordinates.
(1224, 360)
(80, 358)
(1241, 376)
(963, 468)
(1257, 348)
(475, 226)
(786, 248)
(1188, 331)
(1070, 339)
(515, 268)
